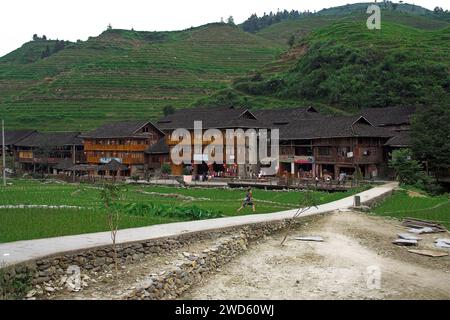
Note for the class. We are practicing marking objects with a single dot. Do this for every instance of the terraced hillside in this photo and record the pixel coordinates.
(347, 66)
(125, 74)
(336, 64)
(280, 32)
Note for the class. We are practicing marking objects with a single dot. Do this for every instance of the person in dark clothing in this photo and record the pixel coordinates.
(248, 201)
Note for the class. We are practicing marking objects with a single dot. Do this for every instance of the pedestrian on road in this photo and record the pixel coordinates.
(248, 201)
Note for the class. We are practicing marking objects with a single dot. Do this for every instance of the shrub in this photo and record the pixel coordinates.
(13, 287)
(408, 170)
(166, 169)
(161, 210)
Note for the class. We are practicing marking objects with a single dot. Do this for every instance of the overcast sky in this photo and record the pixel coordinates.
(79, 19)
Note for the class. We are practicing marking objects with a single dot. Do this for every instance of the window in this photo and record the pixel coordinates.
(368, 152)
(343, 151)
(324, 151)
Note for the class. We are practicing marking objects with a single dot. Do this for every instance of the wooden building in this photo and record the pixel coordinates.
(43, 151)
(156, 155)
(11, 138)
(221, 118)
(124, 142)
(324, 147)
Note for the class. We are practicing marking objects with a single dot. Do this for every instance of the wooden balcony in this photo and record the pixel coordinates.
(359, 159)
(114, 147)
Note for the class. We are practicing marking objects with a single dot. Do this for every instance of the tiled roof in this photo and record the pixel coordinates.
(332, 127)
(388, 116)
(159, 147)
(401, 139)
(219, 117)
(271, 117)
(50, 139)
(119, 129)
(14, 136)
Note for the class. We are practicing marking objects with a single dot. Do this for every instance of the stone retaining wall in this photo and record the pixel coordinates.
(44, 275)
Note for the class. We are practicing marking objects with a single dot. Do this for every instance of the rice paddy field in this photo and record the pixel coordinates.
(407, 203)
(29, 218)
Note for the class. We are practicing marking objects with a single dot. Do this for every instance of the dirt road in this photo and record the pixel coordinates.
(336, 268)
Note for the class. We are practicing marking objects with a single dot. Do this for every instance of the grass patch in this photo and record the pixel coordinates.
(24, 224)
(142, 206)
(401, 205)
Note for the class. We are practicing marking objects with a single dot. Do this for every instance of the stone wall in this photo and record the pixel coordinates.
(47, 274)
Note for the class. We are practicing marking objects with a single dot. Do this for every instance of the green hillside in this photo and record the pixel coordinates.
(336, 64)
(125, 74)
(280, 32)
(348, 66)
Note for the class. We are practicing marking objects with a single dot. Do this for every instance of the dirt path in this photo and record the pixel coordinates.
(335, 268)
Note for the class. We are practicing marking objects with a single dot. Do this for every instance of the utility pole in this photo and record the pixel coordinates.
(4, 153)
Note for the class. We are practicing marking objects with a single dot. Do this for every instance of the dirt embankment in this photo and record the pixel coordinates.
(356, 249)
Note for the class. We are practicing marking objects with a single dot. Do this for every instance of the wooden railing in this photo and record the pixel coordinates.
(114, 147)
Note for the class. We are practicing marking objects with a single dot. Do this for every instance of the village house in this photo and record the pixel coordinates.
(324, 146)
(156, 155)
(121, 145)
(43, 151)
(11, 138)
(315, 145)
(222, 118)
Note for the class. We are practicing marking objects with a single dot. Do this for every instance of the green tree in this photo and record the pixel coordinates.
(408, 170)
(430, 138)
(230, 20)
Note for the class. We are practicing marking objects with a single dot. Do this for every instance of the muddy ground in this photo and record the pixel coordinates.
(336, 268)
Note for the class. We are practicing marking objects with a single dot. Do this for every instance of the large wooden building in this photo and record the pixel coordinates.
(124, 142)
(331, 145)
(43, 151)
(212, 118)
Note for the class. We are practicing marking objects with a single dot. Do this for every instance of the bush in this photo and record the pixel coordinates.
(408, 170)
(160, 210)
(166, 169)
(13, 287)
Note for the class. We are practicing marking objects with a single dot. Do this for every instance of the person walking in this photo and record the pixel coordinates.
(248, 201)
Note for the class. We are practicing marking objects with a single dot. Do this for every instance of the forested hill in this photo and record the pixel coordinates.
(348, 66)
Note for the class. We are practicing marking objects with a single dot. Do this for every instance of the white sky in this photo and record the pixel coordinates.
(79, 19)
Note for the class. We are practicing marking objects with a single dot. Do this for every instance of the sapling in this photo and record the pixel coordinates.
(111, 195)
(308, 201)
